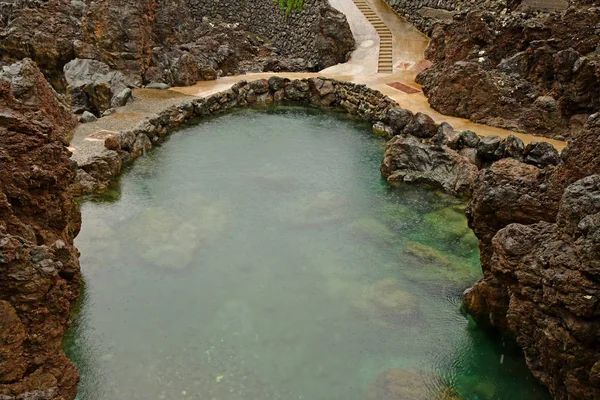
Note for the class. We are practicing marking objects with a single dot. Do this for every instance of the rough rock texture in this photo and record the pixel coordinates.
(92, 86)
(319, 34)
(39, 267)
(538, 235)
(408, 160)
(173, 41)
(515, 64)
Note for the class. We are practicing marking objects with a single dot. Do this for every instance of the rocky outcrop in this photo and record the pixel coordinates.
(39, 273)
(318, 34)
(522, 65)
(92, 86)
(538, 235)
(408, 160)
(175, 42)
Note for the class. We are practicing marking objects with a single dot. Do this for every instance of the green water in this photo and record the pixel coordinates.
(259, 255)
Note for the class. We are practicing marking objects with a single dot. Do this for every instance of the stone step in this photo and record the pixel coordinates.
(385, 61)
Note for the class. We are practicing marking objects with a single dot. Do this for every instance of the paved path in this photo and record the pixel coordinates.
(408, 47)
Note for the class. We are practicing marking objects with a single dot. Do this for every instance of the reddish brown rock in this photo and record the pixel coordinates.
(176, 42)
(39, 278)
(539, 236)
(517, 68)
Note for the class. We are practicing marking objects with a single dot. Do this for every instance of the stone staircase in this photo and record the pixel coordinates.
(385, 65)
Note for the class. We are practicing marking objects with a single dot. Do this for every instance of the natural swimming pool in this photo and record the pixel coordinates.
(259, 255)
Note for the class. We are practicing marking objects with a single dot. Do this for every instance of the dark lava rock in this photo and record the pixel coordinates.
(406, 159)
(446, 135)
(541, 154)
(260, 86)
(539, 235)
(512, 66)
(514, 147)
(399, 118)
(488, 146)
(421, 126)
(276, 83)
(468, 139)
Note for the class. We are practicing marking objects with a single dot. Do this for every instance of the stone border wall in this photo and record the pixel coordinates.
(429, 141)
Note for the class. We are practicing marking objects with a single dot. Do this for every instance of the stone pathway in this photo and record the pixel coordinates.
(407, 59)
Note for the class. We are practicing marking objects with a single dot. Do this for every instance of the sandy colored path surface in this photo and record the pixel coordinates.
(408, 54)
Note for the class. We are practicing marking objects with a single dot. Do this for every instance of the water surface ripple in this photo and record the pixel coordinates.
(259, 255)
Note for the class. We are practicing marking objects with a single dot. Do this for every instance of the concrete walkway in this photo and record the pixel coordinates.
(408, 47)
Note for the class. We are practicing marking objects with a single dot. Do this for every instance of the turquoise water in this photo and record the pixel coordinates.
(260, 255)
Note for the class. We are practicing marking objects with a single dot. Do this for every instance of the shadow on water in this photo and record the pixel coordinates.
(259, 255)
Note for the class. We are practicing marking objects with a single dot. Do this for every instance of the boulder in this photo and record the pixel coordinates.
(446, 135)
(86, 117)
(399, 118)
(276, 83)
(121, 98)
(488, 147)
(93, 86)
(514, 147)
(421, 126)
(541, 154)
(468, 139)
(406, 159)
(381, 129)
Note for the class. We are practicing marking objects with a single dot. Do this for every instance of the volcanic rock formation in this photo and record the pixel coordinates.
(519, 64)
(39, 266)
(538, 232)
(172, 41)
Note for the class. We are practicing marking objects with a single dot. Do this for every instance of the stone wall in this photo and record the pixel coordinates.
(424, 13)
(319, 33)
(420, 151)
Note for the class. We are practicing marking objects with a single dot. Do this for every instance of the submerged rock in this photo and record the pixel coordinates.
(323, 209)
(436, 267)
(172, 241)
(400, 384)
(449, 222)
(387, 303)
(372, 230)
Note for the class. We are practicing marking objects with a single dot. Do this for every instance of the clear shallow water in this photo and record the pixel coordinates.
(259, 255)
